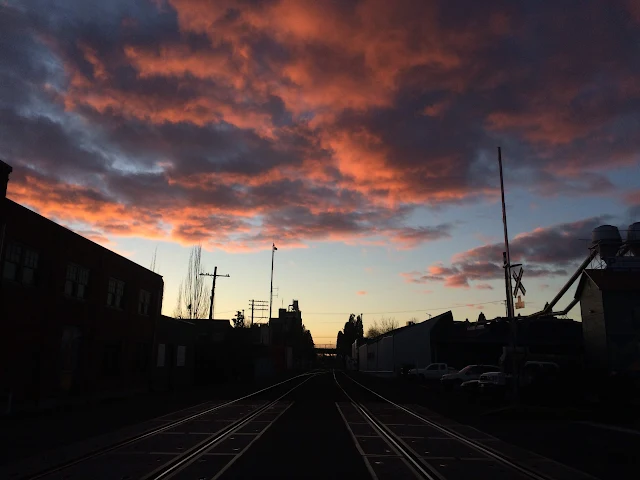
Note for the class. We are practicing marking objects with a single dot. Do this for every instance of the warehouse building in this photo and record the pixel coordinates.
(458, 344)
(78, 319)
(174, 354)
(403, 348)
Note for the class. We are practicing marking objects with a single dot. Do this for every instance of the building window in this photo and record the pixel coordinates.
(181, 355)
(161, 355)
(144, 302)
(76, 281)
(20, 264)
(29, 266)
(115, 293)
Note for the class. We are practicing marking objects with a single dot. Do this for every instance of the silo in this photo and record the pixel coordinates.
(607, 240)
(633, 239)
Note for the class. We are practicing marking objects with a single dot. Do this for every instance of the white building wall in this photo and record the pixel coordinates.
(372, 357)
(385, 354)
(413, 345)
(362, 358)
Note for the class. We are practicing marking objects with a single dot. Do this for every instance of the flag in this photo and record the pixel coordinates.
(274, 247)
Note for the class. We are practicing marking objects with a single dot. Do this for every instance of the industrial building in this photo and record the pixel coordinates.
(407, 347)
(441, 339)
(609, 299)
(174, 354)
(78, 320)
(606, 342)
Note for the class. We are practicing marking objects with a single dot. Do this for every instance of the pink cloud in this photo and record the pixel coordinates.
(336, 119)
(544, 251)
(361, 292)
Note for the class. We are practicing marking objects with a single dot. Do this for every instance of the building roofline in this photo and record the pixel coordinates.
(5, 166)
(180, 320)
(81, 236)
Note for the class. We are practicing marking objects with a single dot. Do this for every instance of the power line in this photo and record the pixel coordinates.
(449, 307)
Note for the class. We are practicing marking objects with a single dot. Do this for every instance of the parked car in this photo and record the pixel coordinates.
(435, 371)
(470, 388)
(494, 384)
(470, 372)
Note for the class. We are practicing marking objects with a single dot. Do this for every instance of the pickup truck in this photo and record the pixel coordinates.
(470, 372)
(435, 371)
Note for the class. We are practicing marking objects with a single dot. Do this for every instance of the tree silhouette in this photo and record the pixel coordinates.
(379, 328)
(238, 320)
(192, 297)
(353, 330)
(481, 317)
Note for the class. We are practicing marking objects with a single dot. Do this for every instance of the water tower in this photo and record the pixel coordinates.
(606, 240)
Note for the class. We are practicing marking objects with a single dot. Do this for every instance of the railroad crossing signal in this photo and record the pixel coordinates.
(519, 286)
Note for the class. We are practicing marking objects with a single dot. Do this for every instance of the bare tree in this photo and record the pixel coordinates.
(386, 324)
(192, 296)
(178, 311)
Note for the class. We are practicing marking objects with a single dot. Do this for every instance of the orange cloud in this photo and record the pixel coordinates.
(328, 121)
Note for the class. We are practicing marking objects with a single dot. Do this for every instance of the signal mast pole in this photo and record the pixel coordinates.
(506, 255)
(507, 278)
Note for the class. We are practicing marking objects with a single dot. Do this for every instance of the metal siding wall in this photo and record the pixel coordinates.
(385, 354)
(413, 346)
(623, 334)
(593, 327)
(362, 358)
(372, 357)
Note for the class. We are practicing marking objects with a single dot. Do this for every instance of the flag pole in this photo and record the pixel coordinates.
(273, 251)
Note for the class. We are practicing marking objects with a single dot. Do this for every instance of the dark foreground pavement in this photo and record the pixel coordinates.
(309, 441)
(308, 428)
(575, 438)
(26, 435)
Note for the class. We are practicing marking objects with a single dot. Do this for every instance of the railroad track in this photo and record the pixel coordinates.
(181, 460)
(383, 415)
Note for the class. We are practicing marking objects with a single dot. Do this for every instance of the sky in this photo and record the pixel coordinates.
(359, 136)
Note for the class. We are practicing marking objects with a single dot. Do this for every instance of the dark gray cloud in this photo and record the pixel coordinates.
(330, 132)
(543, 252)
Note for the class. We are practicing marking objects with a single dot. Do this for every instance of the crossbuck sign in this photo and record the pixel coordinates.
(519, 287)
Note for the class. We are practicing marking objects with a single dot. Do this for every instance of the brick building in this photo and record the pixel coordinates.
(77, 318)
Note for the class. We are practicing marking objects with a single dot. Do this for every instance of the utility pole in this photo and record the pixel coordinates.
(507, 278)
(213, 287)
(257, 309)
(273, 251)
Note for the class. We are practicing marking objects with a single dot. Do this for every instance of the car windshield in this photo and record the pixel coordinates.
(467, 369)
